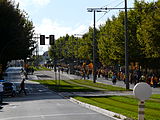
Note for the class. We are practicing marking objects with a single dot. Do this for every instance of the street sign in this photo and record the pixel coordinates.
(142, 91)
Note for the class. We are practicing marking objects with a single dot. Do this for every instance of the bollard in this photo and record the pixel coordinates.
(141, 110)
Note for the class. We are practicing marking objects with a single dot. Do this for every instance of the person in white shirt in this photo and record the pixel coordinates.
(1, 93)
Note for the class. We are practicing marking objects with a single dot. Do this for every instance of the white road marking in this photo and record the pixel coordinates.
(51, 115)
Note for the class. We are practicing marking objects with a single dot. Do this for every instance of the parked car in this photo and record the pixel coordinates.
(9, 89)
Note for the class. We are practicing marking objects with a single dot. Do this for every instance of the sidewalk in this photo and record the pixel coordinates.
(122, 84)
(109, 82)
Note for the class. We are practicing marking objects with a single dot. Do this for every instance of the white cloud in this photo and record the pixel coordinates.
(37, 3)
(40, 2)
(22, 3)
(48, 27)
(81, 29)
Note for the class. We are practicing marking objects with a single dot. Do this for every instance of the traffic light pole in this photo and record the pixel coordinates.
(51, 42)
(55, 66)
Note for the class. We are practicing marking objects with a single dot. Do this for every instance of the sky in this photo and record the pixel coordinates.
(61, 17)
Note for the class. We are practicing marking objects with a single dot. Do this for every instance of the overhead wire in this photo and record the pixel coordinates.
(109, 10)
(109, 4)
(155, 5)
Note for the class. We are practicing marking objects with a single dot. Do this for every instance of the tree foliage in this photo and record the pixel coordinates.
(16, 31)
(144, 35)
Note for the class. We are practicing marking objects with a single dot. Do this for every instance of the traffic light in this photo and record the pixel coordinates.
(51, 39)
(42, 39)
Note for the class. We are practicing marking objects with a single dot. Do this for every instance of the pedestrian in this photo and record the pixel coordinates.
(83, 74)
(1, 93)
(25, 75)
(22, 87)
(114, 79)
(67, 70)
(32, 71)
(135, 78)
(87, 73)
(154, 81)
(62, 69)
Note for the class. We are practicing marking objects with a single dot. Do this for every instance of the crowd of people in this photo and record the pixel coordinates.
(86, 70)
(135, 76)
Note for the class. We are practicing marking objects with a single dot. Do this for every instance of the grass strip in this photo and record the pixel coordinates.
(89, 86)
(99, 85)
(125, 105)
(78, 86)
(40, 68)
(64, 86)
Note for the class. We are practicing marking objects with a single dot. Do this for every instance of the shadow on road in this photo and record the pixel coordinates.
(34, 92)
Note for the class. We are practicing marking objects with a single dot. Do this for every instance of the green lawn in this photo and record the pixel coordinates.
(125, 105)
(64, 86)
(78, 86)
(40, 68)
(99, 85)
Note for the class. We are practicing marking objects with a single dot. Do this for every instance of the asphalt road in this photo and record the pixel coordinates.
(43, 104)
(50, 75)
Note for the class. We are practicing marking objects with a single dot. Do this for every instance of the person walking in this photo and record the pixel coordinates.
(22, 87)
(114, 78)
(1, 94)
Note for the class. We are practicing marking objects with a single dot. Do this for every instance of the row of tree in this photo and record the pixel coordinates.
(144, 43)
(16, 32)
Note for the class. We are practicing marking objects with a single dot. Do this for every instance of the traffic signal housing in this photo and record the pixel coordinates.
(51, 39)
(42, 39)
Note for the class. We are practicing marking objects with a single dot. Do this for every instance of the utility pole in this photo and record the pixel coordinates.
(126, 42)
(36, 38)
(94, 10)
(94, 49)
(126, 48)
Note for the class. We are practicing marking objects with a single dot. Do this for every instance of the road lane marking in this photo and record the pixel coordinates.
(50, 115)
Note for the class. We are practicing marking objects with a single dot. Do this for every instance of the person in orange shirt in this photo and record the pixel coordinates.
(90, 67)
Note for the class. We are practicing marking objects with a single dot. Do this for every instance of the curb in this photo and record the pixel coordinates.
(111, 114)
(100, 110)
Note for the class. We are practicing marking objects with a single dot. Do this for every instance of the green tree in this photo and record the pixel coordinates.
(111, 43)
(16, 31)
(144, 34)
(148, 34)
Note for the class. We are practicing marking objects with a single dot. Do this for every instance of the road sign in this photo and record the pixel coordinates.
(142, 91)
